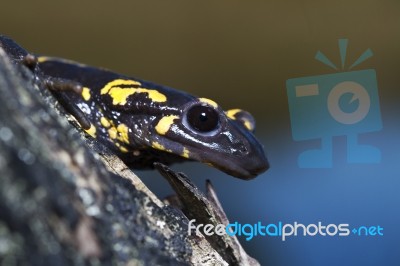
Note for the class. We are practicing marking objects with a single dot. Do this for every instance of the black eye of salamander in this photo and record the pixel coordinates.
(202, 118)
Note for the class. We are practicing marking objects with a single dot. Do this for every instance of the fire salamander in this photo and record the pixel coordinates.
(143, 122)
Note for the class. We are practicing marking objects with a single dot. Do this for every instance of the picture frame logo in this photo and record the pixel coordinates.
(338, 104)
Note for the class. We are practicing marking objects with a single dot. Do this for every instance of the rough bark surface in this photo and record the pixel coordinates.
(62, 204)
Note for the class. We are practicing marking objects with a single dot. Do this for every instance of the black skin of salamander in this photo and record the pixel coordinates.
(232, 148)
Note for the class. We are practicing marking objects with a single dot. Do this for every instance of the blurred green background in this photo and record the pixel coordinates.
(239, 53)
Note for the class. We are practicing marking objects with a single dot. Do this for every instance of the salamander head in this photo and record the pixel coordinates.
(202, 131)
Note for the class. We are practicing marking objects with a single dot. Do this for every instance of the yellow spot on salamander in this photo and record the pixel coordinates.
(248, 125)
(231, 113)
(86, 93)
(120, 94)
(160, 147)
(104, 122)
(209, 102)
(91, 131)
(243, 119)
(120, 147)
(157, 146)
(123, 149)
(165, 124)
(113, 133)
(185, 153)
(43, 59)
(123, 133)
(118, 82)
(154, 95)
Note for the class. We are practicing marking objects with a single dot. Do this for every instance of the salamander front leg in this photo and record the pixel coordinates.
(59, 85)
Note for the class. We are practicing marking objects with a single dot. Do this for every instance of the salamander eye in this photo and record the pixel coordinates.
(202, 118)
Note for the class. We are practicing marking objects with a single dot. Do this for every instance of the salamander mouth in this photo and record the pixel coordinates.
(246, 166)
(241, 167)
